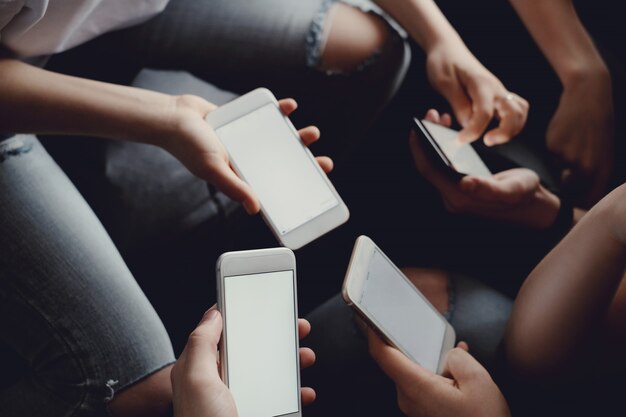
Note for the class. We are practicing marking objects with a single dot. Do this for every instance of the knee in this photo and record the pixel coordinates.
(351, 37)
(151, 396)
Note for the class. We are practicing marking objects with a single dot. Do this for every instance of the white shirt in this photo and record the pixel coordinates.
(41, 27)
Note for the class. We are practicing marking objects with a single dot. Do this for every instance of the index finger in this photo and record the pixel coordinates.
(482, 112)
(200, 353)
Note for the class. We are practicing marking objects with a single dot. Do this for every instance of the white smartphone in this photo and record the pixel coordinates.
(259, 349)
(389, 303)
(298, 201)
(442, 144)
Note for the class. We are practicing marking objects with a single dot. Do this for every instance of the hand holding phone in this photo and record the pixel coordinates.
(298, 201)
(391, 305)
(452, 156)
(259, 353)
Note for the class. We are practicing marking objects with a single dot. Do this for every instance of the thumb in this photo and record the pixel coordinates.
(511, 187)
(225, 179)
(201, 352)
(464, 369)
(402, 370)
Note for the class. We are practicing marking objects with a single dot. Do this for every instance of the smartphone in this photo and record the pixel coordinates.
(259, 349)
(391, 305)
(455, 158)
(298, 201)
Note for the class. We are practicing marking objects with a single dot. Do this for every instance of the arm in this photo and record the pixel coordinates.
(34, 100)
(37, 101)
(566, 298)
(581, 131)
(562, 38)
(474, 93)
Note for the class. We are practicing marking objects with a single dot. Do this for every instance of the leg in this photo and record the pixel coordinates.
(287, 47)
(69, 306)
(350, 38)
(238, 45)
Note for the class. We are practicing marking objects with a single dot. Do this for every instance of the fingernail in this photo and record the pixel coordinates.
(248, 207)
(210, 314)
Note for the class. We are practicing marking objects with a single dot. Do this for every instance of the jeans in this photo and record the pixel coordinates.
(89, 235)
(165, 221)
(69, 306)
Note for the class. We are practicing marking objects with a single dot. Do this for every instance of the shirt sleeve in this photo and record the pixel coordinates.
(8, 10)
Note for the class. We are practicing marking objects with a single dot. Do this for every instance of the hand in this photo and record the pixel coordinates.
(198, 389)
(475, 94)
(466, 390)
(196, 145)
(581, 134)
(514, 196)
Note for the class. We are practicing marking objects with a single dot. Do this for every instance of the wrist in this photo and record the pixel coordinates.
(583, 71)
(445, 41)
(172, 118)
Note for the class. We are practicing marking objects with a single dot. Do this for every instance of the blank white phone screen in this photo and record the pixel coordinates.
(273, 162)
(262, 350)
(402, 313)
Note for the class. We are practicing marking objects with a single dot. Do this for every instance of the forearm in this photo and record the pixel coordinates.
(567, 296)
(561, 36)
(33, 100)
(423, 20)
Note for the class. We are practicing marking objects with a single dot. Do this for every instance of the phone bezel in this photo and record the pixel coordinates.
(438, 155)
(253, 262)
(311, 229)
(352, 289)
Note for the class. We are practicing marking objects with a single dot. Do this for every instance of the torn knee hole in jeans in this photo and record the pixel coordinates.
(319, 34)
(13, 147)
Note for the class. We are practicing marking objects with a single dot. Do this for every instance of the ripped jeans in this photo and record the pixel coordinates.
(73, 319)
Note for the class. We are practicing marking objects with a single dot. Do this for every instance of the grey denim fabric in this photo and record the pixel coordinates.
(69, 306)
(70, 309)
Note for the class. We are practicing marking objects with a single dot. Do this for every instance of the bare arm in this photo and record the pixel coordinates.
(581, 131)
(33, 100)
(562, 38)
(474, 93)
(566, 298)
(38, 101)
